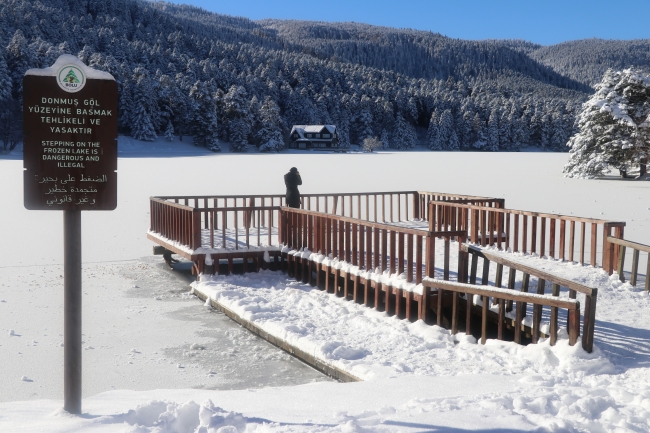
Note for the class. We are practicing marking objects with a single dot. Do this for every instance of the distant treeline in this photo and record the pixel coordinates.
(183, 70)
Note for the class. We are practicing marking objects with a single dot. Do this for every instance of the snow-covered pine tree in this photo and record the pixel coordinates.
(404, 136)
(493, 132)
(8, 106)
(19, 59)
(237, 116)
(446, 138)
(546, 131)
(384, 139)
(432, 132)
(169, 131)
(479, 132)
(363, 121)
(343, 123)
(142, 127)
(613, 126)
(204, 123)
(270, 134)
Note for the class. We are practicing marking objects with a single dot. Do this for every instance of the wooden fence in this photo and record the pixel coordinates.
(502, 295)
(377, 248)
(558, 236)
(374, 248)
(425, 198)
(181, 218)
(622, 245)
(591, 294)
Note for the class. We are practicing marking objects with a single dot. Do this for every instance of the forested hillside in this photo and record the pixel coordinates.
(182, 70)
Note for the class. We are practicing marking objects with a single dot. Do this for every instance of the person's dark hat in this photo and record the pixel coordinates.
(293, 170)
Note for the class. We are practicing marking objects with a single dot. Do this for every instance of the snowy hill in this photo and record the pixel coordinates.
(264, 76)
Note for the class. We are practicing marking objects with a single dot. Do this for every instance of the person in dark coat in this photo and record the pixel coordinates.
(292, 180)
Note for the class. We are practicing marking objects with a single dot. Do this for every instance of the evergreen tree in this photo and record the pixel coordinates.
(384, 139)
(404, 136)
(142, 128)
(480, 132)
(613, 126)
(204, 121)
(270, 134)
(169, 131)
(237, 117)
(493, 132)
(19, 59)
(446, 138)
(432, 131)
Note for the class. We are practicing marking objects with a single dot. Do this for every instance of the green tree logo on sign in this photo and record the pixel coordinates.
(71, 78)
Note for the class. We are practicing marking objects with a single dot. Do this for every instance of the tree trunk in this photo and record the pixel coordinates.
(643, 167)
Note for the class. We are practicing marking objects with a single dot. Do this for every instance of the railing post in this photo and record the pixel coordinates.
(196, 229)
(589, 321)
(430, 255)
(463, 259)
(607, 249)
(618, 234)
(416, 205)
(281, 228)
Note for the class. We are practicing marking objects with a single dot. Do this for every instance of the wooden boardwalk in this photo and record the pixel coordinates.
(413, 254)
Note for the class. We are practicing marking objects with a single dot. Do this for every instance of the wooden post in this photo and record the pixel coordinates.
(484, 315)
(409, 257)
(574, 325)
(562, 238)
(416, 205)
(582, 242)
(196, 229)
(635, 266)
(423, 305)
(594, 238)
(542, 240)
(621, 263)
(589, 321)
(502, 319)
(391, 267)
(551, 249)
(554, 313)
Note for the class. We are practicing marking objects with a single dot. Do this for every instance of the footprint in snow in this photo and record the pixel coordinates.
(26, 379)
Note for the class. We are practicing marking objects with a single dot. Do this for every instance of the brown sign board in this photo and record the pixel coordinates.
(70, 137)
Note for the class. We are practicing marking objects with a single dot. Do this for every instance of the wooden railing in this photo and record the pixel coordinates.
(181, 218)
(378, 250)
(502, 295)
(543, 277)
(174, 221)
(558, 236)
(424, 197)
(371, 246)
(618, 248)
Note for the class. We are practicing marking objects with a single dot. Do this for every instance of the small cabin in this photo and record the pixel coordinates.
(313, 137)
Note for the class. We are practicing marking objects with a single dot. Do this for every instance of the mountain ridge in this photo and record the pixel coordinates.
(184, 70)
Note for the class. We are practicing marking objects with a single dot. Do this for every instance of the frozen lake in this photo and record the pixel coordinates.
(143, 332)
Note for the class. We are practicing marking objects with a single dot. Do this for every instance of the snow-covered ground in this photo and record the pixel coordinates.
(149, 345)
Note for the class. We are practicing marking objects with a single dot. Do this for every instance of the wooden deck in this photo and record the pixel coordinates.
(393, 251)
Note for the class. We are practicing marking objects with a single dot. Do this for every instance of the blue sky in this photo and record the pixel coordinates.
(544, 22)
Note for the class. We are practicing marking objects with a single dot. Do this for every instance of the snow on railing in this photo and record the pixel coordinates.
(558, 236)
(557, 282)
(618, 248)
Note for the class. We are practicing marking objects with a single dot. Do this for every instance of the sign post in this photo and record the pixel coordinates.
(70, 164)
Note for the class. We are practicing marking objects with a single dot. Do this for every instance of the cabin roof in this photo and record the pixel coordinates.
(314, 129)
